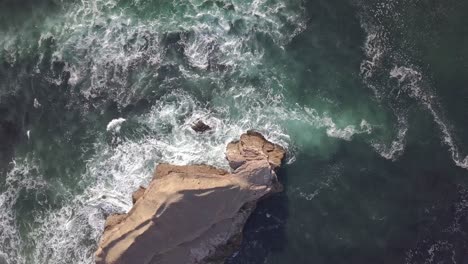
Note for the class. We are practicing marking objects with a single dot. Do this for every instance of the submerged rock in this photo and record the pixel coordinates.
(194, 213)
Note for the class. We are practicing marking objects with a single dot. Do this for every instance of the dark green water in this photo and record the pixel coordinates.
(369, 97)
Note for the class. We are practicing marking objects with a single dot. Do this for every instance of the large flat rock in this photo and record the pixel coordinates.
(194, 213)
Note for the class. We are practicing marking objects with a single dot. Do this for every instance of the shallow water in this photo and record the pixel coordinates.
(367, 96)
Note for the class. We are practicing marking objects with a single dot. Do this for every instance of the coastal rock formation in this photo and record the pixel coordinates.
(194, 213)
(253, 146)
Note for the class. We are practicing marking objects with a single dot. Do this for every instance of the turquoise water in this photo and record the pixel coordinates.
(368, 97)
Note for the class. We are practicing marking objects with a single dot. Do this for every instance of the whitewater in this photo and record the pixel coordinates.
(126, 80)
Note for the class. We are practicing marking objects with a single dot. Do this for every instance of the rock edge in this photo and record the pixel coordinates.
(193, 213)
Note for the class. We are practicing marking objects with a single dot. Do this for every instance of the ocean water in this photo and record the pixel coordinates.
(369, 97)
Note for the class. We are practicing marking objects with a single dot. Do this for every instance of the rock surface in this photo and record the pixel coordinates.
(253, 146)
(138, 194)
(200, 126)
(194, 213)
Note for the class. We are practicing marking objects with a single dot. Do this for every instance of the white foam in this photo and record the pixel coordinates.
(22, 178)
(332, 130)
(410, 84)
(110, 46)
(347, 132)
(397, 146)
(115, 172)
(375, 51)
(115, 125)
(106, 46)
(36, 103)
(410, 80)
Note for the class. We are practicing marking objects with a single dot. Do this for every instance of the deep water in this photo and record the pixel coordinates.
(368, 96)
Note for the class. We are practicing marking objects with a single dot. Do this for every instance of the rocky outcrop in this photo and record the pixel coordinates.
(253, 146)
(200, 126)
(194, 213)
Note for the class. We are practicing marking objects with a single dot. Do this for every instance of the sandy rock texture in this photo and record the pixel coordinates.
(193, 213)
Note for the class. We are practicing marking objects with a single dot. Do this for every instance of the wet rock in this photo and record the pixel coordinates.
(138, 194)
(200, 126)
(194, 213)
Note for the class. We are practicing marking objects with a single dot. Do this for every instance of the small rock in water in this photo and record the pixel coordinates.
(200, 126)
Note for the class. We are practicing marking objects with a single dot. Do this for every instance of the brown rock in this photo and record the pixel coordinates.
(164, 169)
(253, 146)
(138, 194)
(113, 220)
(193, 214)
